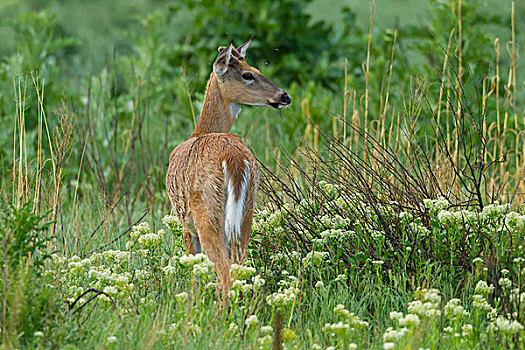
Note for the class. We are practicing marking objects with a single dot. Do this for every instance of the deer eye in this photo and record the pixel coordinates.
(248, 76)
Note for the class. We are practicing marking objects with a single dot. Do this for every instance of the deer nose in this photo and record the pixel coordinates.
(285, 98)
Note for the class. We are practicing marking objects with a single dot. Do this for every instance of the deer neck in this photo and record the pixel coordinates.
(218, 113)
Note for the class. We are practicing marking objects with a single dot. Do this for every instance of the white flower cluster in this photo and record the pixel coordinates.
(200, 265)
(508, 326)
(282, 259)
(144, 240)
(410, 320)
(354, 321)
(172, 223)
(335, 221)
(286, 295)
(265, 341)
(78, 267)
(338, 329)
(105, 271)
(112, 339)
(515, 222)
(436, 204)
(455, 311)
(181, 297)
(241, 272)
(240, 286)
(495, 210)
(393, 336)
(427, 304)
(418, 229)
(114, 272)
(483, 288)
(190, 260)
(152, 240)
(252, 321)
(334, 235)
(467, 330)
(141, 229)
(314, 258)
(517, 297)
(493, 218)
(244, 286)
(480, 303)
(349, 323)
(113, 256)
(505, 282)
(477, 261)
(170, 269)
(424, 312)
(269, 218)
(458, 218)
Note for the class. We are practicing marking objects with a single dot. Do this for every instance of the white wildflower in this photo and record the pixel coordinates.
(339, 329)
(110, 290)
(393, 335)
(454, 310)
(508, 326)
(410, 320)
(258, 282)
(112, 339)
(478, 260)
(240, 272)
(314, 258)
(505, 282)
(181, 297)
(467, 330)
(389, 346)
(252, 321)
(483, 288)
(266, 329)
(394, 315)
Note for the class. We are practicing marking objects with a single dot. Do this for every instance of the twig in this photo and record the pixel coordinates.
(123, 233)
(90, 290)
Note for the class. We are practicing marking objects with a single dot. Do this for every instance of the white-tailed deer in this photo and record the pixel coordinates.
(212, 177)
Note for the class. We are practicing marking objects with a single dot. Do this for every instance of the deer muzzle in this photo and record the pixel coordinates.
(280, 101)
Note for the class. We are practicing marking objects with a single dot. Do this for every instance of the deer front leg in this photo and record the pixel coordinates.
(187, 241)
(212, 243)
(191, 238)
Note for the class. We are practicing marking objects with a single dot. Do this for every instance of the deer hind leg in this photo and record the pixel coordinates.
(212, 242)
(191, 237)
(247, 219)
(246, 230)
(234, 212)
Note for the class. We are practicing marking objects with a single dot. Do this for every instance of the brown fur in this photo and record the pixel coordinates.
(195, 179)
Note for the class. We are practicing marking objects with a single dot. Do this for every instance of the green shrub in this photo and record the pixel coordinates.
(32, 311)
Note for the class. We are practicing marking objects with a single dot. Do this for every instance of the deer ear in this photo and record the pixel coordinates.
(244, 47)
(220, 66)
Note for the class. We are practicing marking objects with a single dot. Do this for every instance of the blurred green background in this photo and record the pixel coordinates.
(100, 26)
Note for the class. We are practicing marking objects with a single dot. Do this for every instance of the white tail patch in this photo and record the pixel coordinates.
(234, 208)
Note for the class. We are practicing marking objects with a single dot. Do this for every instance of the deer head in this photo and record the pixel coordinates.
(241, 83)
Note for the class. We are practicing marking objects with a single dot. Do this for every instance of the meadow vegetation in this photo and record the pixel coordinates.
(391, 210)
